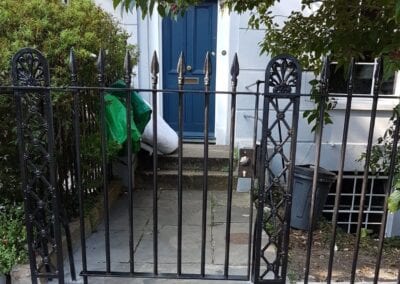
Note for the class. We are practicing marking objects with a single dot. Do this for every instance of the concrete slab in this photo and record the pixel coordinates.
(167, 236)
(238, 246)
(167, 246)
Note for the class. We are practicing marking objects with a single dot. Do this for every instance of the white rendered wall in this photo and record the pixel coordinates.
(146, 35)
(128, 22)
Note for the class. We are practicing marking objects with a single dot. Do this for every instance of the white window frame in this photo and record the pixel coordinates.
(384, 104)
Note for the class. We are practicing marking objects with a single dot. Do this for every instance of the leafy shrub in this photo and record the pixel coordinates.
(381, 158)
(12, 237)
(53, 28)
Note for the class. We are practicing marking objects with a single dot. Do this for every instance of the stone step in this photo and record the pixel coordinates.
(192, 159)
(191, 180)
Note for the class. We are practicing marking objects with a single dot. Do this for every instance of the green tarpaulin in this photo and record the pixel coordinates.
(116, 116)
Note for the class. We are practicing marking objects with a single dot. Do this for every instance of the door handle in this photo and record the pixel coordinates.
(189, 68)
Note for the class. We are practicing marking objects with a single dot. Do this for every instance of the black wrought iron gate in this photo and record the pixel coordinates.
(268, 237)
(43, 206)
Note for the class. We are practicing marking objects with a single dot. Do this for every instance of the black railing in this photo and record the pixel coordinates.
(53, 177)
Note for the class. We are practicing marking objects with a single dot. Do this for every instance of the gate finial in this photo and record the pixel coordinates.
(100, 64)
(127, 68)
(72, 65)
(235, 70)
(155, 69)
(207, 69)
(180, 68)
(325, 75)
(378, 71)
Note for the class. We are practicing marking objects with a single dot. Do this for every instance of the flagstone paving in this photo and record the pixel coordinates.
(167, 236)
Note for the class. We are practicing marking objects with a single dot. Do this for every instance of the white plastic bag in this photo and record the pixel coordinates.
(167, 139)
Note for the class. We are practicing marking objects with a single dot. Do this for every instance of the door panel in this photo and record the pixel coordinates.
(194, 34)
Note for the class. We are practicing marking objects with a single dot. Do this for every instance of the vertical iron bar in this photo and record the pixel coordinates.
(56, 202)
(350, 81)
(207, 73)
(181, 80)
(78, 177)
(319, 132)
(234, 74)
(291, 166)
(100, 78)
(376, 83)
(253, 161)
(43, 215)
(393, 160)
(154, 72)
(261, 183)
(129, 118)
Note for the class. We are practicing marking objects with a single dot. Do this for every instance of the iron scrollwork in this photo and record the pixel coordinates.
(281, 96)
(36, 148)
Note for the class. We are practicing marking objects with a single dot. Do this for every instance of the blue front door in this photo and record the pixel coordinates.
(195, 34)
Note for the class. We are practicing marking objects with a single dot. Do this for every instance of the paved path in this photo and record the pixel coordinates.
(167, 236)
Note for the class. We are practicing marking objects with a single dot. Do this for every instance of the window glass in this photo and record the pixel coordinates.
(363, 73)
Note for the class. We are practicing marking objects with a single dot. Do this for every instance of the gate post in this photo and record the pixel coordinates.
(282, 86)
(30, 74)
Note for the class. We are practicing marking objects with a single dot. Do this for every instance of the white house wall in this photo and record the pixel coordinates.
(128, 22)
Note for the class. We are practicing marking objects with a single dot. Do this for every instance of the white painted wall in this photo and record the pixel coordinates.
(127, 21)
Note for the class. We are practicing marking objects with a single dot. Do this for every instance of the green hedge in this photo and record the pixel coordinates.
(53, 28)
(12, 237)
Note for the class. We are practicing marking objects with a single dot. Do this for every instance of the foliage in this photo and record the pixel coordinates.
(312, 115)
(380, 159)
(53, 28)
(9, 175)
(342, 28)
(164, 7)
(12, 237)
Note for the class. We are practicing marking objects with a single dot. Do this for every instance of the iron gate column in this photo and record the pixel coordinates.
(30, 73)
(282, 86)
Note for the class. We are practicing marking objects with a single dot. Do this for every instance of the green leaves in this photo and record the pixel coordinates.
(312, 115)
(12, 237)
(397, 11)
(165, 8)
(394, 200)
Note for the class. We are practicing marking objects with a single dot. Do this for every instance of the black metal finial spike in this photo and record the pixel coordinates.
(155, 66)
(207, 69)
(100, 64)
(235, 70)
(180, 68)
(350, 78)
(155, 69)
(325, 75)
(127, 68)
(325, 69)
(72, 65)
(378, 72)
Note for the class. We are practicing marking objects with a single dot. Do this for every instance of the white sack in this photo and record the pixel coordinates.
(167, 139)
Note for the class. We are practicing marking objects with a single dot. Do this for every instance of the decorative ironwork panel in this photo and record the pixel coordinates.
(278, 150)
(36, 147)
